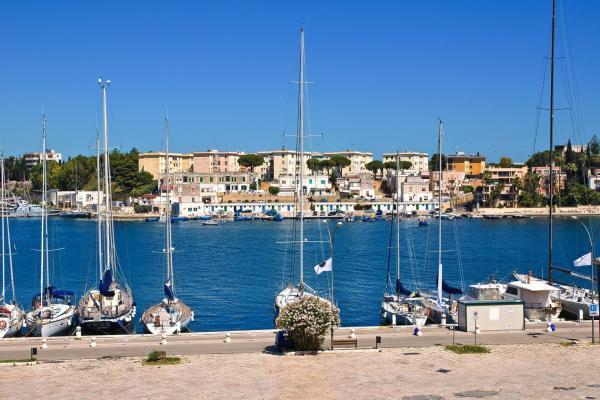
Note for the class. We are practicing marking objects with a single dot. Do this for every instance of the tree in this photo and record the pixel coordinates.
(530, 196)
(307, 320)
(314, 164)
(339, 163)
(251, 161)
(374, 166)
(274, 190)
(542, 159)
(495, 194)
(487, 176)
(506, 162)
(434, 163)
(326, 165)
(16, 169)
(52, 175)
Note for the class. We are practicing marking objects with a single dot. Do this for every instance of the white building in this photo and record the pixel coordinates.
(419, 161)
(357, 185)
(358, 161)
(312, 184)
(411, 187)
(34, 158)
(74, 199)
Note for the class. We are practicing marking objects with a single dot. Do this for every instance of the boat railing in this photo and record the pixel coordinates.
(107, 311)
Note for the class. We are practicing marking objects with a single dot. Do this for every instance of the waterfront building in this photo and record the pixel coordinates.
(504, 178)
(544, 173)
(358, 161)
(34, 158)
(314, 185)
(412, 187)
(283, 163)
(471, 165)
(217, 161)
(593, 178)
(452, 183)
(356, 185)
(74, 199)
(419, 161)
(154, 163)
(205, 187)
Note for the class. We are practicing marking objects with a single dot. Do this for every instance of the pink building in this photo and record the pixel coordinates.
(217, 161)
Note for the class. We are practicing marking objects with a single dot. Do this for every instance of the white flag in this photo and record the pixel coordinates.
(584, 260)
(325, 266)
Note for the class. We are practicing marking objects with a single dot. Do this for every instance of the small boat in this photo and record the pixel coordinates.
(210, 222)
(423, 222)
(75, 214)
(51, 313)
(152, 219)
(201, 218)
(171, 315)
(11, 315)
(180, 219)
(537, 296)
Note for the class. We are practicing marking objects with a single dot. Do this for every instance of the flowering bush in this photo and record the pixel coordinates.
(307, 320)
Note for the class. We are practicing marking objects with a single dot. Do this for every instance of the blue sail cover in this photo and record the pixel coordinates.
(449, 289)
(401, 289)
(169, 291)
(105, 283)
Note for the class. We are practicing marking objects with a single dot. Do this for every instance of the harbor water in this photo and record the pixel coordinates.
(230, 273)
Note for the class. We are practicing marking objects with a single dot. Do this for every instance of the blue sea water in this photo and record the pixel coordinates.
(229, 274)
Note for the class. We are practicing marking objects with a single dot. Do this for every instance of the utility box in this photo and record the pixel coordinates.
(490, 315)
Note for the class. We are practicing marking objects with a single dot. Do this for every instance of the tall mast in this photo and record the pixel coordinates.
(8, 243)
(107, 210)
(3, 216)
(397, 224)
(43, 238)
(98, 203)
(440, 180)
(551, 144)
(301, 166)
(169, 244)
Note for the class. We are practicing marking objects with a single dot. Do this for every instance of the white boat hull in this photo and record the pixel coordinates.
(289, 295)
(57, 323)
(11, 324)
(159, 319)
(396, 312)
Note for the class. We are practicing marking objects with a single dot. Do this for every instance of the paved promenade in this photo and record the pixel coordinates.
(71, 348)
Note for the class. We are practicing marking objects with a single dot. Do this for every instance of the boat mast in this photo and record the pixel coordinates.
(301, 164)
(3, 216)
(440, 276)
(551, 144)
(43, 235)
(8, 243)
(107, 217)
(397, 225)
(169, 244)
(98, 203)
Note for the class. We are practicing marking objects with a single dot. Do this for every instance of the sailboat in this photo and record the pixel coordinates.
(541, 297)
(109, 308)
(294, 292)
(401, 307)
(52, 312)
(11, 315)
(439, 305)
(171, 315)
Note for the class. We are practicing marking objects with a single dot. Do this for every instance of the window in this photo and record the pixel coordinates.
(512, 290)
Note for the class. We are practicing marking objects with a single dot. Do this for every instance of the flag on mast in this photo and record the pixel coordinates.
(584, 260)
(325, 266)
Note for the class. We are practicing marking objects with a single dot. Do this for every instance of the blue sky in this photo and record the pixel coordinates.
(383, 72)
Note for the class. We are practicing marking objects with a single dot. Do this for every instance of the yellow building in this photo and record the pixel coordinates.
(154, 163)
(471, 165)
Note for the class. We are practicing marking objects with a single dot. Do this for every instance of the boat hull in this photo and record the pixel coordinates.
(394, 312)
(60, 324)
(11, 320)
(572, 307)
(102, 315)
(167, 318)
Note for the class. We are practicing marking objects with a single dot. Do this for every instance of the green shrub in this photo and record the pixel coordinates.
(467, 349)
(307, 320)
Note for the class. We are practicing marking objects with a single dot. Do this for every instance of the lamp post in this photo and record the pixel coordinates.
(591, 241)
(331, 238)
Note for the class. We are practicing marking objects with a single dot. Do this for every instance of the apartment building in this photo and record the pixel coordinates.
(217, 161)
(154, 163)
(419, 161)
(283, 162)
(314, 185)
(452, 182)
(34, 158)
(358, 161)
(471, 165)
(410, 186)
(544, 173)
(356, 185)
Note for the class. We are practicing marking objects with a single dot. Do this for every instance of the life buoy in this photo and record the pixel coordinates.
(2, 324)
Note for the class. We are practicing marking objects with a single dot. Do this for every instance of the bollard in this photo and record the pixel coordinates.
(44, 343)
(393, 320)
(78, 333)
(164, 339)
(93, 342)
(477, 329)
(443, 320)
(228, 337)
(417, 331)
(548, 327)
(352, 334)
(580, 315)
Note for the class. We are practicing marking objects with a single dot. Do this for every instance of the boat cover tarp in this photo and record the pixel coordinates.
(401, 289)
(449, 289)
(105, 283)
(169, 291)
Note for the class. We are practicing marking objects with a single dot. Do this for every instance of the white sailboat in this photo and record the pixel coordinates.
(294, 292)
(109, 308)
(439, 306)
(11, 315)
(171, 315)
(401, 307)
(52, 312)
